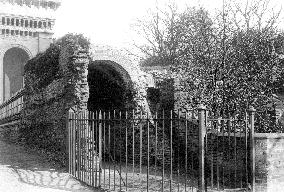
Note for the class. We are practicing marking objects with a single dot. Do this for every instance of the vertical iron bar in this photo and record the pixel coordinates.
(100, 145)
(133, 145)
(163, 149)
(126, 149)
(96, 148)
(212, 156)
(120, 144)
(93, 145)
(104, 144)
(114, 143)
(235, 154)
(85, 144)
(252, 148)
(186, 135)
(156, 143)
(69, 128)
(223, 152)
(229, 149)
(202, 133)
(240, 140)
(217, 155)
(191, 143)
(109, 151)
(74, 130)
(171, 150)
(79, 140)
(178, 130)
(90, 148)
(141, 144)
(82, 146)
(246, 151)
(148, 149)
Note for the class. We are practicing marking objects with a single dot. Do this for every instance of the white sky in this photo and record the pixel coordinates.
(107, 22)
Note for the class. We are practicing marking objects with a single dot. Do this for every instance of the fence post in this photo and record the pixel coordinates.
(68, 138)
(251, 113)
(201, 136)
(100, 140)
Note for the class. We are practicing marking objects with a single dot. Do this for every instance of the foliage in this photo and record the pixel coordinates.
(44, 68)
(228, 62)
(74, 39)
(51, 89)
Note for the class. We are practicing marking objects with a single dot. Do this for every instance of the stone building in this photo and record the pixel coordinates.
(26, 29)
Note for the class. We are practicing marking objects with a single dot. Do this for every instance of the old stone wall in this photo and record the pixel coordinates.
(55, 82)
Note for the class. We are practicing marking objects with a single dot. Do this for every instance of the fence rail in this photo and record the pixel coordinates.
(10, 109)
(167, 151)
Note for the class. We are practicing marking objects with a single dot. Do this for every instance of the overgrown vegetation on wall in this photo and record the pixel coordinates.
(55, 81)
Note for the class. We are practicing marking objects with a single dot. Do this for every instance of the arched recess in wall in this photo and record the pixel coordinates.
(13, 70)
(109, 86)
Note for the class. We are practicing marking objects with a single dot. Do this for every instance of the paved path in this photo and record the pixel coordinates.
(22, 170)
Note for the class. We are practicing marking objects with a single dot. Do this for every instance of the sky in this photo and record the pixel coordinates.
(108, 22)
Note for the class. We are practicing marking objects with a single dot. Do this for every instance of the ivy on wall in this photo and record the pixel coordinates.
(55, 81)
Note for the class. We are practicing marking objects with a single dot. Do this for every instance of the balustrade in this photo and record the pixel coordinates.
(12, 107)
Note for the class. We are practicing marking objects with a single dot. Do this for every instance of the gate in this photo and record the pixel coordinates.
(229, 158)
(168, 151)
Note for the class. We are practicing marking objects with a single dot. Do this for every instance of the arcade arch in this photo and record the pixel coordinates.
(109, 86)
(13, 70)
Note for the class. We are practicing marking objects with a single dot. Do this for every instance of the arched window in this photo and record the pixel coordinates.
(26, 23)
(3, 20)
(22, 22)
(35, 24)
(13, 67)
(44, 25)
(17, 22)
(12, 21)
(39, 24)
(8, 21)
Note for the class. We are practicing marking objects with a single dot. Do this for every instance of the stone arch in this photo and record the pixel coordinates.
(129, 70)
(7, 47)
(118, 57)
(3, 50)
(13, 61)
(109, 86)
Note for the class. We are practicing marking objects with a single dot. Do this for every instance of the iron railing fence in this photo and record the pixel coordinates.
(167, 151)
(11, 108)
(138, 152)
(227, 154)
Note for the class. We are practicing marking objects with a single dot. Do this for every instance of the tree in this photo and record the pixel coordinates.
(160, 32)
(229, 62)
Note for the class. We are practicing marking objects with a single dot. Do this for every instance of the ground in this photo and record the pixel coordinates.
(24, 170)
